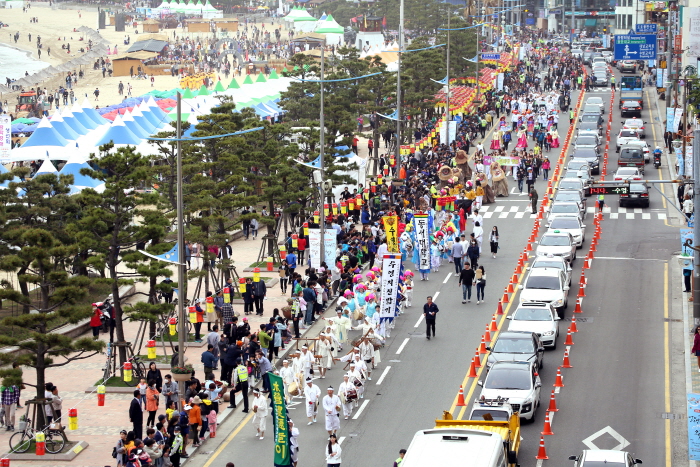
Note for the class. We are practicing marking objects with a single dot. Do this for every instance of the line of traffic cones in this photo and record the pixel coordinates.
(460, 397)
(567, 363)
(547, 426)
(569, 341)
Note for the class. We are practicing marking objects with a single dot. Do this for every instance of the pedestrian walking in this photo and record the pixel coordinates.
(430, 311)
(493, 241)
(457, 253)
(466, 280)
(480, 279)
(687, 274)
(473, 253)
(333, 452)
(533, 199)
(696, 345)
(135, 414)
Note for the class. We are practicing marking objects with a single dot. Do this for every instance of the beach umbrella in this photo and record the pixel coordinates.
(119, 133)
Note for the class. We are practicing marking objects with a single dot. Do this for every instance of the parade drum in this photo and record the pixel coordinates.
(357, 383)
(294, 389)
(351, 394)
(342, 397)
(377, 343)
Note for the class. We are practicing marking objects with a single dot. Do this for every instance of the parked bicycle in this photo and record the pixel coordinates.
(21, 441)
(138, 368)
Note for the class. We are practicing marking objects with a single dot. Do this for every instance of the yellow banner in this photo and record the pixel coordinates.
(391, 227)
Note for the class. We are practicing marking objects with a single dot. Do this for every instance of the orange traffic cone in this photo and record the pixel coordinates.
(519, 268)
(524, 257)
(494, 324)
(594, 245)
(487, 334)
(477, 360)
(547, 425)
(590, 255)
(460, 398)
(528, 247)
(505, 297)
(539, 214)
(500, 308)
(559, 383)
(552, 404)
(542, 452)
(514, 279)
(578, 306)
(472, 370)
(568, 338)
(581, 291)
(482, 346)
(510, 288)
(573, 320)
(567, 363)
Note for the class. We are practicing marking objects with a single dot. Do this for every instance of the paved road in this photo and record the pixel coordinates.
(618, 357)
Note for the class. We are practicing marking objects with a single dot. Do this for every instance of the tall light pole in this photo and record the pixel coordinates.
(181, 265)
(322, 188)
(398, 89)
(447, 98)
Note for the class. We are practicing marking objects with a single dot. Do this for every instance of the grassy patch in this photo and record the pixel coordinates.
(159, 359)
(173, 338)
(113, 382)
(263, 265)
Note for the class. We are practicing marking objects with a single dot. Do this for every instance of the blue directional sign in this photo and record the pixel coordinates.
(635, 47)
(490, 56)
(648, 28)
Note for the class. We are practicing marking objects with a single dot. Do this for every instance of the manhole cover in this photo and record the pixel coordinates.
(672, 320)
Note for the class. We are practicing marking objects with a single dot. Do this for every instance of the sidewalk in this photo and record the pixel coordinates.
(100, 426)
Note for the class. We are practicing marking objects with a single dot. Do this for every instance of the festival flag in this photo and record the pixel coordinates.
(420, 222)
(391, 272)
(384, 21)
(392, 234)
(281, 422)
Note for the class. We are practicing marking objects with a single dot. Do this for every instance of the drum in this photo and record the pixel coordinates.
(294, 389)
(351, 395)
(342, 397)
(357, 383)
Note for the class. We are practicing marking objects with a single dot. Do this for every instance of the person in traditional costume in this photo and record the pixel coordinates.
(499, 181)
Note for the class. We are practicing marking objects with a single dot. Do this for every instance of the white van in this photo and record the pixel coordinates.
(455, 446)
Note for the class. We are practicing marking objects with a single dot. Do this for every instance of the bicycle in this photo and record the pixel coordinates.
(21, 441)
(138, 368)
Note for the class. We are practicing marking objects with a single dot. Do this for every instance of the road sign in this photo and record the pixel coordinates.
(635, 47)
(490, 56)
(610, 190)
(648, 28)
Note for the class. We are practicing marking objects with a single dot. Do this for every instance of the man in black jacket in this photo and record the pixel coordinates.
(136, 414)
(233, 353)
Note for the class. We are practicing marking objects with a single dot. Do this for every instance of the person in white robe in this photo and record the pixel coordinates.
(312, 394)
(331, 407)
(345, 388)
(261, 410)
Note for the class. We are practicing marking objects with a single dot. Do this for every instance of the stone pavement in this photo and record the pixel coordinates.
(100, 426)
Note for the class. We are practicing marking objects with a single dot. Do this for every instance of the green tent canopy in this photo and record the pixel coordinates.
(219, 87)
(248, 80)
(203, 91)
(273, 75)
(173, 116)
(188, 94)
(234, 84)
(261, 78)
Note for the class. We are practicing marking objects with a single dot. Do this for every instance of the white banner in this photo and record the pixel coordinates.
(677, 118)
(5, 138)
(420, 222)
(691, 40)
(315, 247)
(499, 82)
(391, 270)
(448, 134)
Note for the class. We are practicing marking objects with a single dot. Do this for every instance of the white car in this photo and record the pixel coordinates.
(546, 285)
(635, 124)
(551, 261)
(564, 208)
(625, 136)
(557, 244)
(518, 382)
(627, 173)
(606, 457)
(573, 225)
(609, 56)
(596, 101)
(537, 317)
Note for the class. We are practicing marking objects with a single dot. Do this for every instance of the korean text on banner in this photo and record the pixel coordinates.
(669, 119)
(391, 270)
(5, 137)
(391, 227)
(330, 245)
(279, 415)
(677, 118)
(420, 222)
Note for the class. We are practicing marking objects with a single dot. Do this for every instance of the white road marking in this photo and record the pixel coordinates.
(487, 215)
(662, 216)
(519, 215)
(405, 341)
(556, 390)
(633, 259)
(623, 442)
(646, 215)
(590, 210)
(381, 378)
(638, 210)
(499, 208)
(613, 215)
(622, 210)
(341, 439)
(630, 215)
(483, 209)
(540, 462)
(513, 209)
(606, 209)
(435, 295)
(503, 215)
(420, 320)
(359, 411)
(447, 278)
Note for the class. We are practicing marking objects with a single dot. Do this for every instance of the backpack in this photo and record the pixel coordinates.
(184, 419)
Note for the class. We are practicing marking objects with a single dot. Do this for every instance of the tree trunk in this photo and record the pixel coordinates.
(24, 288)
(40, 421)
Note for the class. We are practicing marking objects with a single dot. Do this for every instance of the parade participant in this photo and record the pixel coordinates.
(312, 394)
(357, 379)
(306, 359)
(324, 350)
(293, 442)
(261, 410)
(347, 394)
(342, 325)
(367, 355)
(289, 377)
(331, 407)
(408, 287)
(435, 255)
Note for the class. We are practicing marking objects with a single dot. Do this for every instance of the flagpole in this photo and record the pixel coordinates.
(398, 89)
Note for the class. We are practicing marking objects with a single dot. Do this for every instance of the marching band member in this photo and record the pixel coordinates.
(346, 391)
(307, 360)
(367, 355)
(312, 393)
(331, 407)
(261, 410)
(288, 377)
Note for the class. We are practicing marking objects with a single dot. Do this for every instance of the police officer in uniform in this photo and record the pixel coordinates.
(240, 381)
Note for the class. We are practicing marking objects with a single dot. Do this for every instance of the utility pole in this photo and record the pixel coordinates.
(573, 21)
(447, 98)
(696, 228)
(478, 57)
(398, 89)
(181, 265)
(322, 189)
(669, 56)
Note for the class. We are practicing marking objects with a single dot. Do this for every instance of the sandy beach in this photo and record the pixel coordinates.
(55, 25)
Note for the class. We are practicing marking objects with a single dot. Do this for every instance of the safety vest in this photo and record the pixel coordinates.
(398, 461)
(242, 373)
(612, 79)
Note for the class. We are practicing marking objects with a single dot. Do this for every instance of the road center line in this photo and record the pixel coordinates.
(447, 278)
(384, 373)
(405, 341)
(436, 295)
(359, 411)
(420, 320)
(341, 439)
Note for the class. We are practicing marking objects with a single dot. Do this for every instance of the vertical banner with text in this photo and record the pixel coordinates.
(391, 270)
(5, 138)
(330, 245)
(391, 227)
(279, 417)
(420, 222)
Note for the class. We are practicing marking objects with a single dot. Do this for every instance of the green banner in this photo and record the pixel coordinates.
(279, 415)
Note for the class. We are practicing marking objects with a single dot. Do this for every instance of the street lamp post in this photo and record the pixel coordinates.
(322, 143)
(398, 89)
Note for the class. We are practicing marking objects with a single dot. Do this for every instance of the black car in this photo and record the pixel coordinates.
(585, 126)
(639, 194)
(516, 346)
(592, 118)
(631, 109)
(591, 155)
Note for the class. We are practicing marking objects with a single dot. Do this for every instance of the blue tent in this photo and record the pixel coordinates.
(83, 118)
(137, 129)
(92, 113)
(47, 167)
(139, 118)
(262, 111)
(63, 128)
(119, 133)
(45, 135)
(73, 167)
(73, 122)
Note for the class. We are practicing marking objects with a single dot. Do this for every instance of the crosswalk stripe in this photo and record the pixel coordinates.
(630, 215)
(622, 210)
(646, 215)
(662, 216)
(487, 215)
(503, 215)
(514, 209)
(519, 215)
(613, 215)
(499, 208)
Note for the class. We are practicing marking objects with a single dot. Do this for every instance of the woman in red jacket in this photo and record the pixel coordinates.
(696, 345)
(96, 322)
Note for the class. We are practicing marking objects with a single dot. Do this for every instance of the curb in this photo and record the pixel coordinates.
(64, 456)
